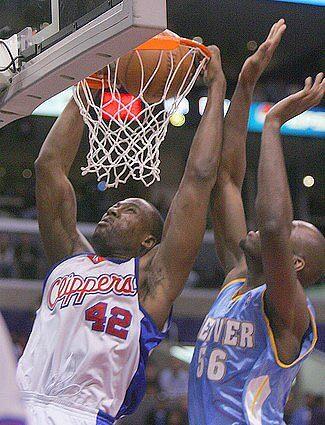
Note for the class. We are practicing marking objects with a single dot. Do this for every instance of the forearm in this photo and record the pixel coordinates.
(204, 157)
(226, 203)
(273, 202)
(233, 159)
(62, 143)
(185, 225)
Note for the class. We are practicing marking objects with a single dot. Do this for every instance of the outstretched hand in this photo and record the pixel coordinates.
(256, 64)
(214, 72)
(294, 105)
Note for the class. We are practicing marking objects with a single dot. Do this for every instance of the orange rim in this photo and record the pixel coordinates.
(95, 81)
(165, 42)
(160, 42)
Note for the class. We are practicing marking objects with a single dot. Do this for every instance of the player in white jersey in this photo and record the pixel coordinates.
(11, 408)
(105, 306)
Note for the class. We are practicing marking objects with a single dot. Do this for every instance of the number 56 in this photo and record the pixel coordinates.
(216, 366)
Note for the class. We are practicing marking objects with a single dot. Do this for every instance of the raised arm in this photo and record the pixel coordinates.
(285, 299)
(55, 196)
(226, 201)
(186, 221)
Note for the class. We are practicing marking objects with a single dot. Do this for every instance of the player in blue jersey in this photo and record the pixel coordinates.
(261, 326)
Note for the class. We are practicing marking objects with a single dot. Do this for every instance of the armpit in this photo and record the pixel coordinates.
(152, 275)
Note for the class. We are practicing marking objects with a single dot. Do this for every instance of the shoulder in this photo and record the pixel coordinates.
(229, 291)
(69, 259)
(236, 274)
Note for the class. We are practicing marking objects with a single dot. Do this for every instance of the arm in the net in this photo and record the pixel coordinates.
(226, 201)
(55, 196)
(185, 227)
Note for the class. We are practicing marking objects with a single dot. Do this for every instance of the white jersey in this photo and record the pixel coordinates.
(90, 341)
(11, 408)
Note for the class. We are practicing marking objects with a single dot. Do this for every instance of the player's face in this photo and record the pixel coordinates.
(123, 228)
(306, 240)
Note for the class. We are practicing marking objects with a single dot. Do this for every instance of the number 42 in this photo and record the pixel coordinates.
(117, 324)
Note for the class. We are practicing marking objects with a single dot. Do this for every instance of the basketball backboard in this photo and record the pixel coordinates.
(77, 38)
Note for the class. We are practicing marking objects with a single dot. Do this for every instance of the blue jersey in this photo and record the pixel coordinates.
(236, 376)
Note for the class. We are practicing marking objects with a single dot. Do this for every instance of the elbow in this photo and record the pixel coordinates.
(206, 175)
(40, 164)
(43, 161)
(274, 232)
(43, 164)
(272, 222)
(269, 227)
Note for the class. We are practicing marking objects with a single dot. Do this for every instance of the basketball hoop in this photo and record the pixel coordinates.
(125, 139)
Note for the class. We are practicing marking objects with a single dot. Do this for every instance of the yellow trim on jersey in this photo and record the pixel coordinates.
(236, 298)
(232, 282)
(272, 339)
(258, 393)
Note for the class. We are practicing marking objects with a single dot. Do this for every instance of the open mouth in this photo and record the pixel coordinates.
(106, 220)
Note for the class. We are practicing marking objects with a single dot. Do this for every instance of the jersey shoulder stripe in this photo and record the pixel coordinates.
(231, 283)
(304, 351)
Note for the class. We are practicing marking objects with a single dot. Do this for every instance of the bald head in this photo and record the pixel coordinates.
(308, 244)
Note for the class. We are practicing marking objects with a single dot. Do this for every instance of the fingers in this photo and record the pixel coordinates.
(278, 35)
(214, 72)
(215, 54)
(308, 84)
(318, 88)
(271, 31)
(214, 51)
(278, 26)
(274, 38)
(313, 92)
(318, 80)
(295, 104)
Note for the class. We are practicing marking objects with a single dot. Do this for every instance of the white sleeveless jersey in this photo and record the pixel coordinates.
(90, 341)
(11, 408)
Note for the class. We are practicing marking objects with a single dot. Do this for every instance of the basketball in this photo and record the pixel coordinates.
(130, 71)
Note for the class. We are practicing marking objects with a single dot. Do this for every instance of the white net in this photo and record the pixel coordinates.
(125, 131)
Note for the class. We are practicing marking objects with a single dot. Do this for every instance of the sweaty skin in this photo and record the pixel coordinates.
(131, 227)
(280, 253)
(285, 299)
